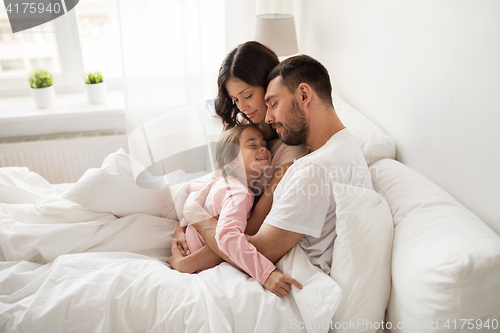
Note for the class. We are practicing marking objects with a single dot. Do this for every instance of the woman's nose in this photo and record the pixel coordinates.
(243, 106)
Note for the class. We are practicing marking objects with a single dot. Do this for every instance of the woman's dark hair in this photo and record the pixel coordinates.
(250, 62)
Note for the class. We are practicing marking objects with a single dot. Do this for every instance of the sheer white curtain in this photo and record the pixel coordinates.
(172, 51)
(171, 54)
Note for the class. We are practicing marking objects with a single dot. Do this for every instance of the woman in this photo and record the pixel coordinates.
(242, 85)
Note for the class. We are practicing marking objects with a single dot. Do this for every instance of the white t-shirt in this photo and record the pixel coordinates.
(304, 202)
(281, 154)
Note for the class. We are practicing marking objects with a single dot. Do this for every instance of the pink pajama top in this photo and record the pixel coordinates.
(231, 204)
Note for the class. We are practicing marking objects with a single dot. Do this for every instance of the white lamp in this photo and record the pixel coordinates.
(277, 31)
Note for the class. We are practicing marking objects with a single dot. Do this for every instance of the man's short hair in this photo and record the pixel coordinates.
(304, 69)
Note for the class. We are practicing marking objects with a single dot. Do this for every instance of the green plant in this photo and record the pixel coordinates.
(40, 78)
(93, 78)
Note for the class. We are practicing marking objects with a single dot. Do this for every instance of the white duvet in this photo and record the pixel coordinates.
(70, 264)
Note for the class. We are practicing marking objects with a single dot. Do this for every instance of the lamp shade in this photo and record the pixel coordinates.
(277, 31)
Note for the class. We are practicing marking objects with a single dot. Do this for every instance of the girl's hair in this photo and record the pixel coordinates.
(228, 146)
(250, 62)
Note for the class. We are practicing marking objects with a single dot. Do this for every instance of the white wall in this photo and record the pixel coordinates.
(428, 73)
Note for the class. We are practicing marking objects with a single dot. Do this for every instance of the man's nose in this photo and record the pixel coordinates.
(269, 116)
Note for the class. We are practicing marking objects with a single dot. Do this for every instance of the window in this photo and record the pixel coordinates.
(84, 39)
(17, 51)
(15, 65)
(100, 37)
(42, 62)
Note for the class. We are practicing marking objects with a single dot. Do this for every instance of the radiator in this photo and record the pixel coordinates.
(60, 158)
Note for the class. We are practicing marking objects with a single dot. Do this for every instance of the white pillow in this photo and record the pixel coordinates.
(375, 143)
(113, 189)
(327, 292)
(361, 258)
(446, 261)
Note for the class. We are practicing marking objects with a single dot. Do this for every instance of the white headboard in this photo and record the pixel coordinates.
(428, 73)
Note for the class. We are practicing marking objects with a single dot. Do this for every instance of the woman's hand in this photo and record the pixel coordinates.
(180, 235)
(193, 208)
(280, 284)
(176, 259)
(201, 259)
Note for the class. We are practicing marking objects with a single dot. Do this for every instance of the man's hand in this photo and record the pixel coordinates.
(180, 235)
(280, 284)
(193, 208)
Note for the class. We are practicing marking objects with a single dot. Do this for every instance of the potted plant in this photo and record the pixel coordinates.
(96, 88)
(41, 81)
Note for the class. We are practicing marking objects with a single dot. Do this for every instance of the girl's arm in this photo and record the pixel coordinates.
(263, 206)
(232, 241)
(230, 237)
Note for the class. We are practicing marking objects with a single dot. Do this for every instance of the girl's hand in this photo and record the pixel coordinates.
(193, 208)
(280, 284)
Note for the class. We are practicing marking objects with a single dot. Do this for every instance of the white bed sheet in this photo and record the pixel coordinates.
(65, 268)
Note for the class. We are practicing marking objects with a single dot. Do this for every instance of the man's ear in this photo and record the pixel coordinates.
(305, 93)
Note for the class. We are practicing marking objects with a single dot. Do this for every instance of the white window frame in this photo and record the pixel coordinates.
(70, 54)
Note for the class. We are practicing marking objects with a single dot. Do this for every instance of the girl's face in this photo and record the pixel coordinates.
(249, 99)
(254, 154)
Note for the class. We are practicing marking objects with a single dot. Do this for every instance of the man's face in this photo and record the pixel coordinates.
(285, 114)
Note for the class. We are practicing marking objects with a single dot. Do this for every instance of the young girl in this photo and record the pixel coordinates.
(241, 155)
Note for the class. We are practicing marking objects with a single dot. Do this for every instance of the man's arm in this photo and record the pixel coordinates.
(274, 242)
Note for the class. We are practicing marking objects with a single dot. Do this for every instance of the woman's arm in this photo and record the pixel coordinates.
(199, 260)
(263, 206)
(201, 220)
(183, 261)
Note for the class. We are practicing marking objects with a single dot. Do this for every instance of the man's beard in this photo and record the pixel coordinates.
(297, 129)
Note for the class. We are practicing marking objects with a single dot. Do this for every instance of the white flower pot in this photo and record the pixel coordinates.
(96, 92)
(44, 97)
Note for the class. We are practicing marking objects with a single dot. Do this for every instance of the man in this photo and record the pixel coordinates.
(301, 110)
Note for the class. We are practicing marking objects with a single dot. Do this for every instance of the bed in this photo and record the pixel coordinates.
(91, 257)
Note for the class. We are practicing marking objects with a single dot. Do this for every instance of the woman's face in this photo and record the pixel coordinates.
(249, 99)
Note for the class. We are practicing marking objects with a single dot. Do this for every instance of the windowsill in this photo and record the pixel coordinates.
(70, 113)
